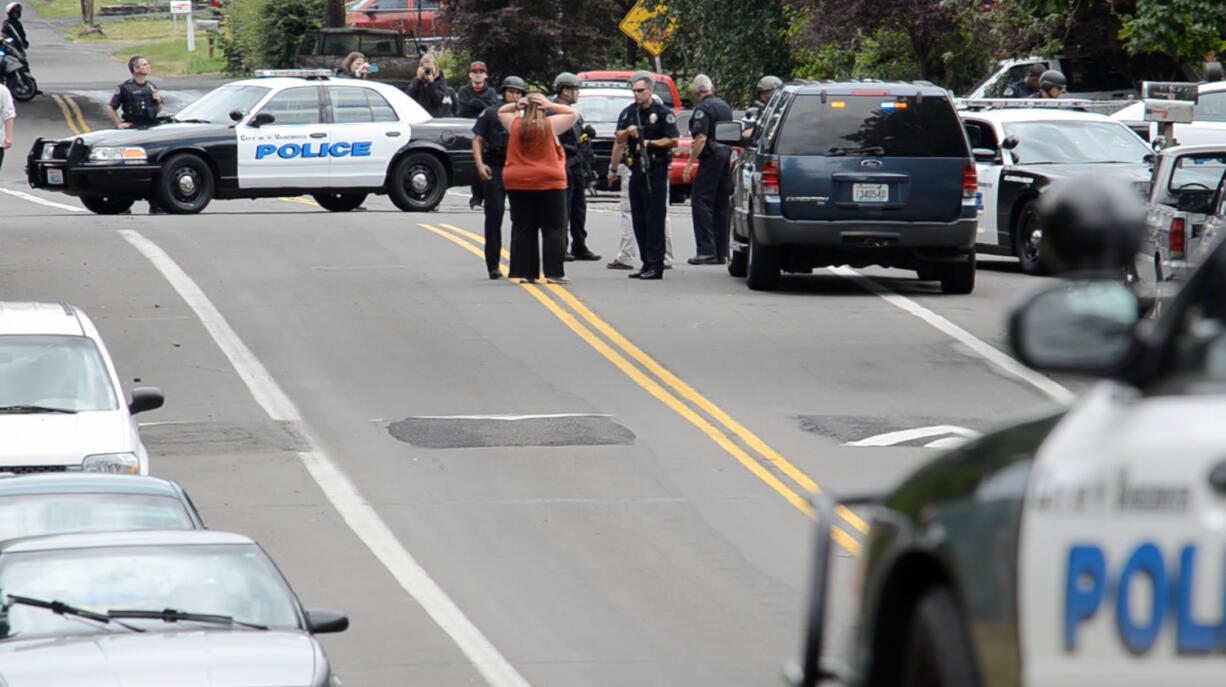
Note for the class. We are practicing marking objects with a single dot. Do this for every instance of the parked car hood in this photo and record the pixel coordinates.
(201, 658)
(62, 439)
(1129, 171)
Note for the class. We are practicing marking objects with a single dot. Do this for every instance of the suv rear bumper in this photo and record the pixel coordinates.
(780, 231)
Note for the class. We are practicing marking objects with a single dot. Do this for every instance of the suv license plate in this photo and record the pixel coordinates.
(870, 193)
(55, 177)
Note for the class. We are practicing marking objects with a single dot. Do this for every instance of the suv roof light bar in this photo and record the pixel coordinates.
(299, 73)
(1104, 106)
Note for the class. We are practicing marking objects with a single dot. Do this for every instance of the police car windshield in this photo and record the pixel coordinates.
(216, 105)
(1073, 142)
(602, 108)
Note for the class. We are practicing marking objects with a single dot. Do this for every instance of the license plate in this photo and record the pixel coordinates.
(55, 177)
(870, 193)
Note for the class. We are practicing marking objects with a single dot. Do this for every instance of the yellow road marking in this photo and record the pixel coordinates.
(67, 115)
(77, 109)
(660, 393)
(293, 199)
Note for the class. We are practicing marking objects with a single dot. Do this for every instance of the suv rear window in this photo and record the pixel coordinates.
(901, 126)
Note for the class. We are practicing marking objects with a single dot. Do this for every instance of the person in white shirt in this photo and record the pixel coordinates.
(7, 114)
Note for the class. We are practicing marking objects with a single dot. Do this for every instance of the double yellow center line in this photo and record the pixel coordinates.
(70, 109)
(752, 452)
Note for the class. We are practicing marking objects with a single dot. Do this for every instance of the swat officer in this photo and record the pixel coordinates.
(1027, 86)
(763, 92)
(138, 97)
(578, 161)
(1052, 84)
(713, 184)
(648, 130)
(489, 153)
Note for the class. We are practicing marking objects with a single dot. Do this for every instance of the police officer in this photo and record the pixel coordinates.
(763, 92)
(713, 184)
(490, 152)
(138, 97)
(648, 130)
(1052, 84)
(578, 161)
(1027, 86)
(12, 27)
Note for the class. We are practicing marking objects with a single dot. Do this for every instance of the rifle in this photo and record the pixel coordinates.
(586, 158)
(644, 158)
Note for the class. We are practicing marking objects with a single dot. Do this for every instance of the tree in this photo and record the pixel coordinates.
(334, 13)
(1179, 28)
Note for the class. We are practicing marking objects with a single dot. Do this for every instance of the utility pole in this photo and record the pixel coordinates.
(334, 13)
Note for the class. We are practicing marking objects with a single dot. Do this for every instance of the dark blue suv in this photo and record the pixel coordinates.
(856, 173)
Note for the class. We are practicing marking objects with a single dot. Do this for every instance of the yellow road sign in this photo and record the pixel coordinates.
(651, 38)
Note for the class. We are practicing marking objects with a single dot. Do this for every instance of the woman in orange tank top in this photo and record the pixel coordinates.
(535, 178)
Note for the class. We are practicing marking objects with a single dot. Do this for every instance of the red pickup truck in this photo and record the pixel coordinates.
(420, 18)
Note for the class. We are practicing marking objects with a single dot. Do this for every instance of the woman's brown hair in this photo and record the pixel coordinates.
(533, 126)
(347, 63)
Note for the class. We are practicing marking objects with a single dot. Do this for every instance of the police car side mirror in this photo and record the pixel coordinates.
(984, 155)
(261, 119)
(728, 133)
(1010, 142)
(1083, 327)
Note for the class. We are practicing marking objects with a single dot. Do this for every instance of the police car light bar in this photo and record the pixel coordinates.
(605, 84)
(1102, 106)
(299, 73)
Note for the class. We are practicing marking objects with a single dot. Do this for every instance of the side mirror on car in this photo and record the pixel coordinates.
(146, 398)
(320, 621)
(728, 133)
(984, 155)
(1083, 327)
(261, 119)
(237, 115)
(1010, 142)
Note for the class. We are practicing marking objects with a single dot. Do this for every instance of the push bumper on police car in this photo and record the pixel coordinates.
(71, 167)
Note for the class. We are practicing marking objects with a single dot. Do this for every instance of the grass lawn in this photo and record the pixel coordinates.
(156, 40)
(72, 8)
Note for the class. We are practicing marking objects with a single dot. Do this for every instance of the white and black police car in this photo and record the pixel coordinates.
(1081, 545)
(1021, 146)
(288, 132)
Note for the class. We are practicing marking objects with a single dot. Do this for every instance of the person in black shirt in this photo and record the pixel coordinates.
(137, 97)
(578, 160)
(648, 130)
(471, 101)
(429, 88)
(489, 153)
(713, 183)
(13, 27)
(1028, 86)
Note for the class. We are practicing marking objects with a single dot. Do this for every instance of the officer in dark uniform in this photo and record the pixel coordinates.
(490, 153)
(137, 97)
(712, 185)
(648, 130)
(578, 161)
(1025, 88)
(1052, 84)
(12, 27)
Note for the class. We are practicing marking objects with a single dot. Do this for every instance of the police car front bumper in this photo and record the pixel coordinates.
(134, 180)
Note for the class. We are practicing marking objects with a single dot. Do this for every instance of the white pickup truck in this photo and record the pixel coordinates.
(1184, 196)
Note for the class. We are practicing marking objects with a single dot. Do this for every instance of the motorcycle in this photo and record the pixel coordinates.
(15, 71)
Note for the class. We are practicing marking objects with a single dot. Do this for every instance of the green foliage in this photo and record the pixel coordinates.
(264, 34)
(883, 54)
(1180, 28)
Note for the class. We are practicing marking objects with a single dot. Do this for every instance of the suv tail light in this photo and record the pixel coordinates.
(770, 179)
(1177, 238)
(970, 181)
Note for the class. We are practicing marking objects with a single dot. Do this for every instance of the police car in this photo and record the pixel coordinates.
(1023, 146)
(289, 132)
(1078, 546)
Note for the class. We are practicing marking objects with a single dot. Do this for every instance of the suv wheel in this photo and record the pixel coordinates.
(1027, 234)
(764, 265)
(738, 261)
(959, 276)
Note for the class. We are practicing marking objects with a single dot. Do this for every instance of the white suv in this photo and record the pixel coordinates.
(61, 404)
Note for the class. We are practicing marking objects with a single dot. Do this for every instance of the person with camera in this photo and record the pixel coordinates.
(577, 144)
(535, 179)
(430, 89)
(354, 66)
(490, 154)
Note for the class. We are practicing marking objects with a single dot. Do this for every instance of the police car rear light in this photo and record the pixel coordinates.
(1177, 240)
(970, 181)
(770, 179)
(299, 73)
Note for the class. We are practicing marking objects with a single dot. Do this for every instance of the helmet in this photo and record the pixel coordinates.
(1214, 71)
(565, 80)
(769, 83)
(8, 9)
(1089, 224)
(1051, 78)
(513, 82)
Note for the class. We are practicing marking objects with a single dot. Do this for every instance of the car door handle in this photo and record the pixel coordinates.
(1217, 477)
(319, 134)
(392, 134)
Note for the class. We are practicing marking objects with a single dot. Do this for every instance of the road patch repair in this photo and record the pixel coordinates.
(481, 431)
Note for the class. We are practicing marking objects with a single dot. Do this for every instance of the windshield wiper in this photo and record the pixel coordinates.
(61, 608)
(190, 120)
(172, 615)
(20, 409)
(867, 150)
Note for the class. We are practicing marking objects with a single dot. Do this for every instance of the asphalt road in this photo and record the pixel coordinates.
(506, 484)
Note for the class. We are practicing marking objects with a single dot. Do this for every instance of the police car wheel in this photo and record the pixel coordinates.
(765, 262)
(938, 651)
(418, 183)
(1026, 238)
(106, 205)
(185, 185)
(339, 202)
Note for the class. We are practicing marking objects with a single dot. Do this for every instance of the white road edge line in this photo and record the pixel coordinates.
(891, 438)
(985, 350)
(35, 199)
(511, 418)
(357, 513)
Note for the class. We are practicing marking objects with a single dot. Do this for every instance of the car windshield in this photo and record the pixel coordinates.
(235, 580)
(28, 515)
(602, 108)
(1064, 142)
(216, 105)
(64, 373)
